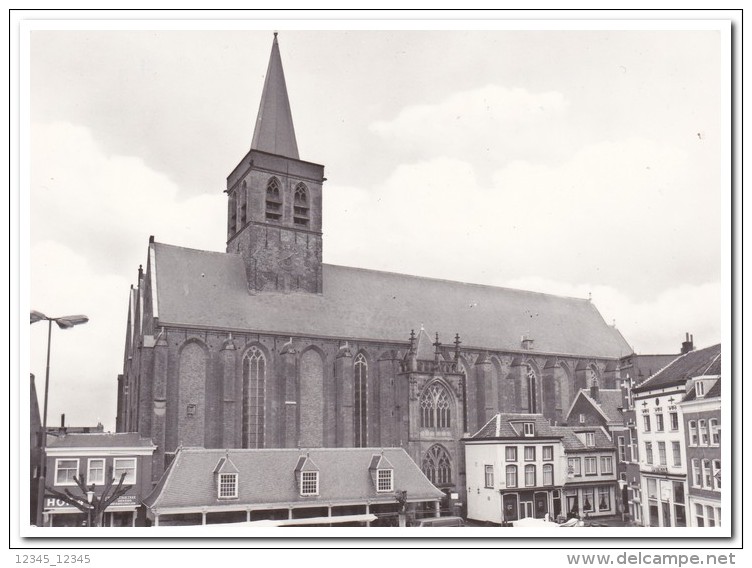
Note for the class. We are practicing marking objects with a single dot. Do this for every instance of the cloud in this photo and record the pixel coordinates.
(495, 123)
(86, 359)
(654, 326)
(105, 206)
(91, 215)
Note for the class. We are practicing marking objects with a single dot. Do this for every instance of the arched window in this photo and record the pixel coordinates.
(254, 385)
(435, 409)
(360, 413)
(232, 214)
(273, 200)
(437, 466)
(532, 396)
(300, 205)
(243, 203)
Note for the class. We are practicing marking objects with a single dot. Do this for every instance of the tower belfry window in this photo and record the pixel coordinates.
(300, 205)
(273, 200)
(243, 203)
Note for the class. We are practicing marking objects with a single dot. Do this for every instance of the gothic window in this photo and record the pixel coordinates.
(243, 203)
(254, 386)
(232, 215)
(437, 466)
(300, 205)
(532, 402)
(435, 409)
(273, 200)
(361, 402)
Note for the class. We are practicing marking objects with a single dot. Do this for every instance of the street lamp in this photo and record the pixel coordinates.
(64, 322)
(89, 497)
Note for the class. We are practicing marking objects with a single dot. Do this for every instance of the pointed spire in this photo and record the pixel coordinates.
(274, 132)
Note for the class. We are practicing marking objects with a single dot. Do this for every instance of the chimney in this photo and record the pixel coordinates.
(687, 344)
(526, 342)
(594, 391)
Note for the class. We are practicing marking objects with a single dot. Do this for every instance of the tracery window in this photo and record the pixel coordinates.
(437, 466)
(273, 200)
(360, 413)
(300, 205)
(532, 397)
(435, 409)
(254, 386)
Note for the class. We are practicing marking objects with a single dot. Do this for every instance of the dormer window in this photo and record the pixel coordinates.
(226, 478)
(385, 480)
(228, 486)
(309, 483)
(590, 439)
(700, 388)
(528, 428)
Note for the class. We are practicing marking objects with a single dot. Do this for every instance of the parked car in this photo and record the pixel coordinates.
(440, 522)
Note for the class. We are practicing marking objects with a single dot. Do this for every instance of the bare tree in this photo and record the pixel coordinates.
(99, 503)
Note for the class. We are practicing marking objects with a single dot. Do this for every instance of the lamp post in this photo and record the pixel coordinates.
(64, 322)
(89, 497)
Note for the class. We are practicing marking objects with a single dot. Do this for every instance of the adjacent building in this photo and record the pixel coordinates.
(591, 488)
(662, 438)
(516, 469)
(95, 456)
(701, 410)
(325, 486)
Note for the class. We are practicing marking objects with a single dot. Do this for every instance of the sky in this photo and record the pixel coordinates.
(579, 163)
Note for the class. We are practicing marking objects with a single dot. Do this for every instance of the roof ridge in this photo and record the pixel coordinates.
(473, 284)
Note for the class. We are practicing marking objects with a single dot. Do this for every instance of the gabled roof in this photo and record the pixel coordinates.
(573, 443)
(697, 363)
(274, 132)
(209, 289)
(507, 426)
(100, 440)
(608, 404)
(268, 477)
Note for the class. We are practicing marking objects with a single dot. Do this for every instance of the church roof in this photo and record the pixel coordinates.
(697, 363)
(274, 132)
(209, 289)
(268, 477)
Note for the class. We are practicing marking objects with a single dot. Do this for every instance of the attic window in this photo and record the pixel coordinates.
(528, 428)
(582, 418)
(385, 480)
(228, 486)
(590, 439)
(309, 483)
(700, 388)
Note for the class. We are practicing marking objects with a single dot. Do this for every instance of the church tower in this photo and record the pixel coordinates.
(274, 199)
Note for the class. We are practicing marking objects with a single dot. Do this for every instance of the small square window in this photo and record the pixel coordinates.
(548, 453)
(529, 453)
(228, 486)
(309, 483)
(65, 471)
(125, 466)
(511, 453)
(385, 480)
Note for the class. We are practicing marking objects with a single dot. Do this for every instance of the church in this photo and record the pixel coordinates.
(266, 346)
